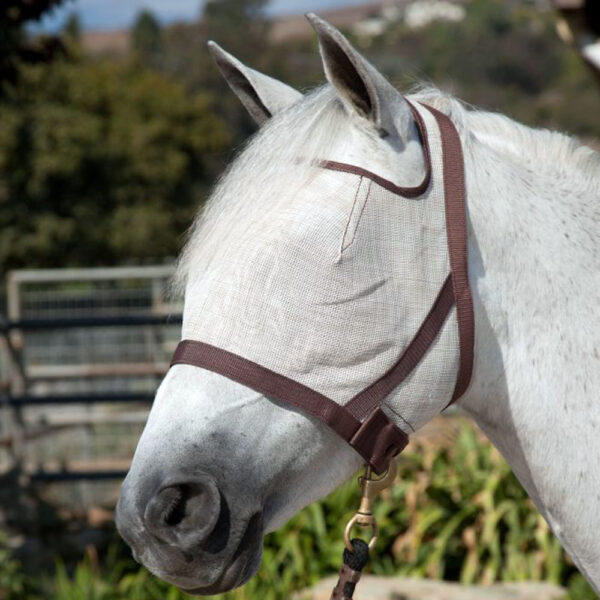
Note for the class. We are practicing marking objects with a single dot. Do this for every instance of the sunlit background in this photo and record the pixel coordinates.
(114, 125)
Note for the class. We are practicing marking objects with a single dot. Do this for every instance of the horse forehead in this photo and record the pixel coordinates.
(316, 212)
(294, 258)
(321, 203)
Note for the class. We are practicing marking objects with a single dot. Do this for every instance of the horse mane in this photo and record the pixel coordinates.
(284, 155)
(280, 158)
(551, 153)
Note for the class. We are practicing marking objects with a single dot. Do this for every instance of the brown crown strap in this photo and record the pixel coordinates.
(376, 439)
(406, 192)
(456, 232)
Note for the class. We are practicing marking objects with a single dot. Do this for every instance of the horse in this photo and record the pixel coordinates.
(273, 264)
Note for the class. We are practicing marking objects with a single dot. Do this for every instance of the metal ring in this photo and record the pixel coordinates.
(353, 521)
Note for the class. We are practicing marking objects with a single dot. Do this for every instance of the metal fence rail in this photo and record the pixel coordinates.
(82, 353)
(75, 322)
(88, 398)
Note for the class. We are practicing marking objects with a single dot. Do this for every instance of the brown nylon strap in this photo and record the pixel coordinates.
(456, 228)
(406, 192)
(364, 402)
(376, 439)
(267, 382)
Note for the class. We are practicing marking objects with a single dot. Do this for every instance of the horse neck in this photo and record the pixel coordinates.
(534, 272)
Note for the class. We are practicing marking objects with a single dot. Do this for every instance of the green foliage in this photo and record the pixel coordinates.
(72, 28)
(14, 45)
(146, 36)
(101, 162)
(17, 12)
(237, 23)
(13, 583)
(456, 513)
(580, 589)
(241, 28)
(114, 581)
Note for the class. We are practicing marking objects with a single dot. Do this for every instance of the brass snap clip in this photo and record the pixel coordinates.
(371, 488)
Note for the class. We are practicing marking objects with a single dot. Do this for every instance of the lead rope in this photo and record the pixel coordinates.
(356, 552)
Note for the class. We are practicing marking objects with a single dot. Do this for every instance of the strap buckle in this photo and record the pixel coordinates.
(378, 440)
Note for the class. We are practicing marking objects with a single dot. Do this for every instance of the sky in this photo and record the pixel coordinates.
(115, 14)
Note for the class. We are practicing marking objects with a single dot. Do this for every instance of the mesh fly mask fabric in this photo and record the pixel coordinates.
(348, 300)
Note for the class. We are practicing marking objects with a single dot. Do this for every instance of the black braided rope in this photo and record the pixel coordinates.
(356, 561)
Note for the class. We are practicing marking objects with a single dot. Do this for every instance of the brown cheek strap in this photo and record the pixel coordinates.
(456, 233)
(361, 421)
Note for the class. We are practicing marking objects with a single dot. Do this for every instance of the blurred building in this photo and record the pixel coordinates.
(424, 12)
(413, 13)
(372, 19)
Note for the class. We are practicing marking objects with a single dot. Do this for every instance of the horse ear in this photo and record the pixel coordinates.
(359, 85)
(262, 96)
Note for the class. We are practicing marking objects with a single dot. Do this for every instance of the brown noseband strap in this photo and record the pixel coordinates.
(361, 421)
(376, 439)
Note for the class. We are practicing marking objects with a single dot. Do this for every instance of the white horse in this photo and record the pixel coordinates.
(219, 464)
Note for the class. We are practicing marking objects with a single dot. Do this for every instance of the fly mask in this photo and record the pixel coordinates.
(275, 355)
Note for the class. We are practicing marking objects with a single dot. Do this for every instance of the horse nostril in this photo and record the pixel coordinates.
(175, 508)
(185, 513)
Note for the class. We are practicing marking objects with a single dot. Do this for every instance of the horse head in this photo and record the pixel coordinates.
(309, 261)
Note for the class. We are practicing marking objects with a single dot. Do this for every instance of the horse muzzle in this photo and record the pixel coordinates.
(184, 531)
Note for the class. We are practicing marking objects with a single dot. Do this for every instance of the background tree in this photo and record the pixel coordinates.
(146, 36)
(101, 163)
(240, 25)
(72, 28)
(15, 47)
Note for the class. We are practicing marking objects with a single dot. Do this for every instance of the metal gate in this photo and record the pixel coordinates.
(83, 351)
